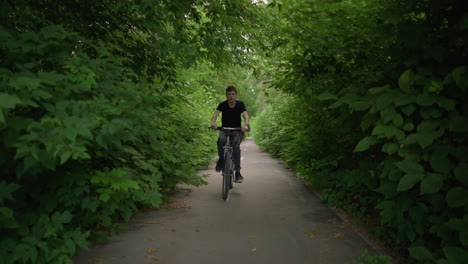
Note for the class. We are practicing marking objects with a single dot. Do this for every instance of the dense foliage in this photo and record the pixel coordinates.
(373, 111)
(104, 107)
(97, 112)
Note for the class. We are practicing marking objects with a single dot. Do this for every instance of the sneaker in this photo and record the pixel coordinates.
(239, 178)
(219, 164)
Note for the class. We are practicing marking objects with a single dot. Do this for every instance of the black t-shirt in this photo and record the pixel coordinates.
(231, 116)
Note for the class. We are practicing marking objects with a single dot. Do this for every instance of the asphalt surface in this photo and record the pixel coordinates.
(270, 218)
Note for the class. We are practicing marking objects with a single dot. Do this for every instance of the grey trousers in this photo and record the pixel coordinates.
(236, 141)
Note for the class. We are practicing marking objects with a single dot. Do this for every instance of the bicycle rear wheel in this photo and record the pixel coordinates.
(226, 175)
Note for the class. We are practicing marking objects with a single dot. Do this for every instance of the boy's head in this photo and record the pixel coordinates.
(231, 89)
(231, 93)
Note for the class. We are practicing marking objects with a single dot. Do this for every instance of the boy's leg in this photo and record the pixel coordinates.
(237, 152)
(221, 142)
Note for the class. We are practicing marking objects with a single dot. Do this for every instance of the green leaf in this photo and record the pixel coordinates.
(411, 139)
(104, 197)
(457, 197)
(408, 126)
(410, 167)
(377, 90)
(425, 140)
(463, 236)
(388, 114)
(427, 133)
(458, 224)
(8, 101)
(90, 203)
(430, 113)
(456, 255)
(420, 253)
(326, 96)
(426, 99)
(447, 104)
(387, 189)
(365, 143)
(379, 130)
(431, 183)
(408, 109)
(70, 133)
(403, 99)
(461, 173)
(395, 175)
(335, 104)
(397, 120)
(387, 212)
(65, 156)
(435, 87)
(50, 77)
(7, 218)
(367, 121)
(390, 148)
(459, 76)
(459, 124)
(406, 81)
(6, 189)
(386, 131)
(359, 105)
(25, 252)
(61, 218)
(70, 246)
(441, 163)
(408, 181)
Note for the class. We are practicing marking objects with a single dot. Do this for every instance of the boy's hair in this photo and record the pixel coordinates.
(231, 89)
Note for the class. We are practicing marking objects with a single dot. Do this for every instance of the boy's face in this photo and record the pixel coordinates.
(231, 96)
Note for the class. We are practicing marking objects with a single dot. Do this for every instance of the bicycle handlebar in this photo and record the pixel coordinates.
(229, 128)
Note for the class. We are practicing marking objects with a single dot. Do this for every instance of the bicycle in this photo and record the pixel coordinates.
(229, 167)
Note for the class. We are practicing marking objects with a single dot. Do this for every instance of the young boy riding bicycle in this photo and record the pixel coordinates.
(232, 110)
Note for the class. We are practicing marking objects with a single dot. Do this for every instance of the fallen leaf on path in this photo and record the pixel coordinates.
(338, 235)
(98, 261)
(252, 237)
(155, 258)
(254, 249)
(173, 230)
(151, 250)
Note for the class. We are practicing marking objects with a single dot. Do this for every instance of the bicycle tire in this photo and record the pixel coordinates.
(231, 173)
(226, 175)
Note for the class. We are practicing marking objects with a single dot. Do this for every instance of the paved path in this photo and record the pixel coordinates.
(270, 218)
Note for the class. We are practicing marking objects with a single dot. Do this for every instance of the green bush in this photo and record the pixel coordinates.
(83, 148)
(376, 114)
(369, 258)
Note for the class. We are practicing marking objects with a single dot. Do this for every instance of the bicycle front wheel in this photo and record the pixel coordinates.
(226, 175)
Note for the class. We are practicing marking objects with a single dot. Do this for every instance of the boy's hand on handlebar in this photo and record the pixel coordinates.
(245, 128)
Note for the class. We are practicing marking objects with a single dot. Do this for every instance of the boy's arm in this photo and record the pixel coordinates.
(246, 121)
(213, 119)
